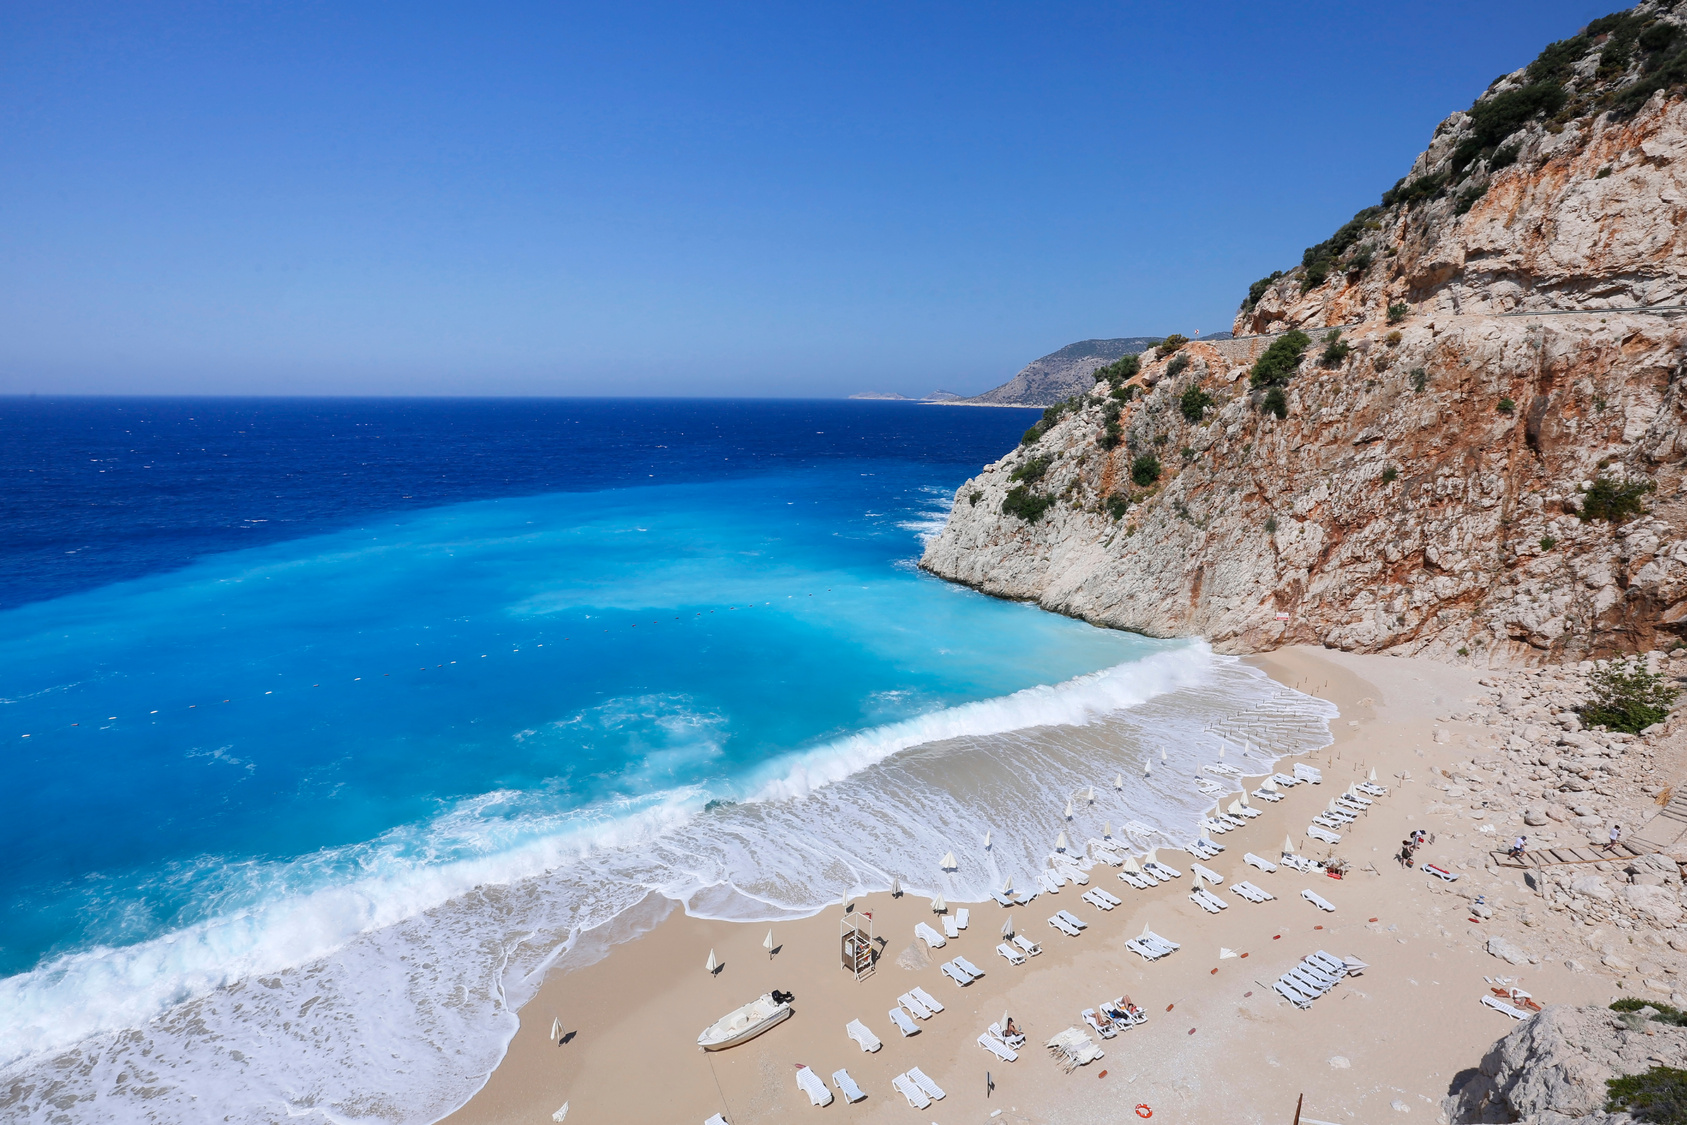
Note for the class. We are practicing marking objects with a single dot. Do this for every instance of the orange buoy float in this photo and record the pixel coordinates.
(1143, 1111)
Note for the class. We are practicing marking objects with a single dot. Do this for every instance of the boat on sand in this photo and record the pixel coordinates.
(743, 1024)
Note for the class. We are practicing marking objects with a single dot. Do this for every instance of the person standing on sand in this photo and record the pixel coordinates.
(1616, 835)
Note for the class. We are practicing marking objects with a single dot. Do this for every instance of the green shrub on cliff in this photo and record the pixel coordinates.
(1033, 470)
(1623, 695)
(1117, 505)
(1277, 366)
(1194, 403)
(1615, 501)
(1121, 369)
(1258, 288)
(1276, 402)
(1027, 505)
(1145, 470)
(1659, 1095)
(1170, 344)
(1178, 365)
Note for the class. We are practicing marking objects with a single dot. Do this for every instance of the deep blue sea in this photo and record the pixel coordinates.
(286, 686)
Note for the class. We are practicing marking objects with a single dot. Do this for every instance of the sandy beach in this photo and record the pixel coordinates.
(1219, 1043)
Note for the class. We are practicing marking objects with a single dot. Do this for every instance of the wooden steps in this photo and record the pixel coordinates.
(1562, 855)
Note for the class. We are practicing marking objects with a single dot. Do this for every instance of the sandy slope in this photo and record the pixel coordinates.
(1228, 1049)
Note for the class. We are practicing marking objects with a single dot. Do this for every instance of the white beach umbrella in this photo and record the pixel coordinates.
(1244, 798)
(1060, 842)
(1068, 808)
(1153, 856)
(1268, 785)
(767, 944)
(712, 963)
(938, 906)
(561, 1114)
(1107, 830)
(1198, 884)
(1288, 845)
(1373, 775)
(986, 841)
(948, 861)
(1331, 807)
(1162, 753)
(1223, 953)
(1007, 885)
(1235, 807)
(1119, 781)
(1007, 927)
(895, 887)
(556, 1029)
(1091, 795)
(1147, 770)
(1131, 865)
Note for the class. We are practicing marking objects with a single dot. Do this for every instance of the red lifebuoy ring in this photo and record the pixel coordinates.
(1143, 1111)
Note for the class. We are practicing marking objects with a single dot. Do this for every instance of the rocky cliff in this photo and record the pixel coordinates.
(1061, 374)
(1474, 450)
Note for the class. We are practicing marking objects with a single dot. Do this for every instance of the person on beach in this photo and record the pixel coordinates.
(1519, 847)
(1405, 856)
(1616, 835)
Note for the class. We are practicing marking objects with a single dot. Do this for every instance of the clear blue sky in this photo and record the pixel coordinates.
(802, 199)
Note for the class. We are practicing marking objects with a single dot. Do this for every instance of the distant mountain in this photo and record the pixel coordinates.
(892, 396)
(1061, 374)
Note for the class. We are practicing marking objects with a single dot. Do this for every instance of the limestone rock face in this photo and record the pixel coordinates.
(1424, 491)
(1551, 1069)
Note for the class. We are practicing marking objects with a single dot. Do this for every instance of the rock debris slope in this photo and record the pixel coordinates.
(1485, 460)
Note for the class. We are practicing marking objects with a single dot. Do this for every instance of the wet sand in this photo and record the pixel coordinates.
(1227, 1049)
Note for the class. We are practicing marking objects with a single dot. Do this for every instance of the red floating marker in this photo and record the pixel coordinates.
(1373, 919)
(1244, 955)
(1276, 937)
(1245, 995)
(1192, 1031)
(1215, 972)
(1169, 1007)
(1317, 927)
(1103, 1074)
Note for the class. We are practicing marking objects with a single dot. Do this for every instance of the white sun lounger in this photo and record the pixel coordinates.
(1107, 1032)
(1073, 919)
(1499, 1005)
(961, 917)
(846, 1085)
(1316, 900)
(1072, 874)
(955, 973)
(1357, 804)
(1064, 926)
(918, 1077)
(1159, 942)
(903, 1024)
(1307, 983)
(1208, 901)
(1323, 834)
(1290, 994)
(1284, 779)
(1266, 795)
(1139, 882)
(998, 1048)
(1207, 873)
(1199, 850)
(809, 1083)
(717, 1119)
(1299, 863)
(1014, 1041)
(1341, 815)
(1210, 787)
(1325, 820)
(1335, 966)
(1206, 843)
(927, 998)
(1231, 821)
(1109, 896)
(931, 937)
(906, 1087)
(1024, 897)
(1143, 949)
(1030, 947)
(1317, 973)
(1050, 881)
(966, 966)
(1001, 898)
(1251, 892)
(950, 930)
(1155, 867)
(1259, 862)
(1208, 824)
(1013, 955)
(1440, 873)
(912, 1003)
(864, 1039)
(1095, 900)
(1304, 772)
(1373, 789)
(1244, 812)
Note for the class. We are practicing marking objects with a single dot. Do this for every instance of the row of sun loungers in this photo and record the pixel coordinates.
(1207, 901)
(1313, 977)
(1113, 1018)
(1014, 957)
(1207, 873)
(1203, 848)
(1323, 834)
(1067, 923)
(961, 971)
(1020, 899)
(917, 1088)
(1251, 892)
(1099, 898)
(1150, 946)
(920, 1003)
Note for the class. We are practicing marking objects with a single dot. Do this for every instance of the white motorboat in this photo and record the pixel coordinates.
(743, 1024)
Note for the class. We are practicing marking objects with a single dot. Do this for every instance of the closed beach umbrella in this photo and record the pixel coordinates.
(986, 841)
(1162, 753)
(1373, 775)
(1288, 845)
(1068, 808)
(767, 944)
(1146, 769)
(1198, 884)
(949, 863)
(1221, 749)
(712, 964)
(1244, 798)
(1007, 927)
(1060, 843)
(895, 887)
(1153, 856)
(1090, 796)
(1118, 781)
(1007, 885)
(556, 1029)
(1235, 807)
(1107, 830)
(938, 906)
(1332, 805)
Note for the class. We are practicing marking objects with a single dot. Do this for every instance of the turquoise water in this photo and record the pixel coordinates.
(293, 830)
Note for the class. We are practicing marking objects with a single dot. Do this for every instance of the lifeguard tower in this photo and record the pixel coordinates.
(855, 936)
